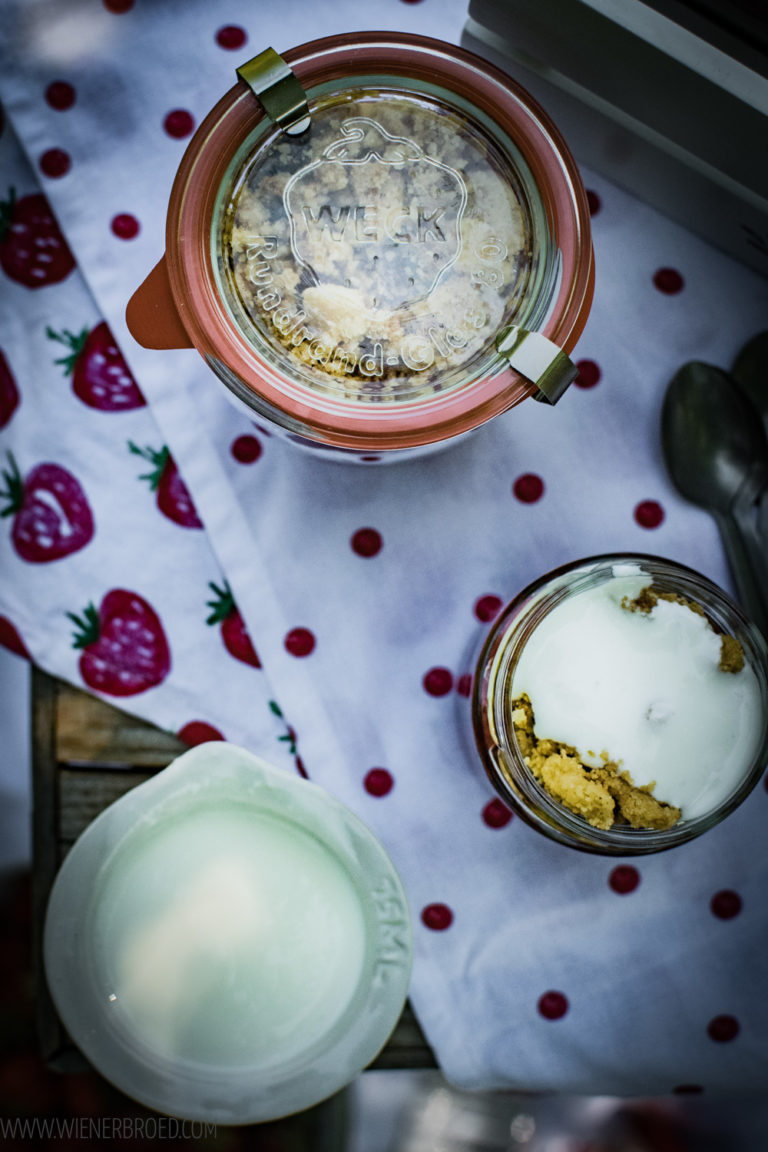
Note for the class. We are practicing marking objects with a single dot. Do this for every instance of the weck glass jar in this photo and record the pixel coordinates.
(620, 704)
(377, 243)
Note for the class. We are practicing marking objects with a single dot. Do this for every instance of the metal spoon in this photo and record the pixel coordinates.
(750, 371)
(717, 456)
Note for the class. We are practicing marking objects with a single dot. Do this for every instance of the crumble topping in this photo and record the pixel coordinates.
(605, 794)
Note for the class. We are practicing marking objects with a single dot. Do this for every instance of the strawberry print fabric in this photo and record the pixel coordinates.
(323, 615)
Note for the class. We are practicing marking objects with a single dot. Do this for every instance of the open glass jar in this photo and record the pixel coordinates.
(620, 704)
(378, 243)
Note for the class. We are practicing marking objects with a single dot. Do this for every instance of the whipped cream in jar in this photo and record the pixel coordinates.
(620, 704)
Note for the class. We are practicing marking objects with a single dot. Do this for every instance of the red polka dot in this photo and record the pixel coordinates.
(668, 280)
(464, 684)
(648, 514)
(60, 95)
(378, 782)
(179, 123)
(589, 374)
(300, 767)
(725, 904)
(623, 879)
(438, 917)
(438, 681)
(370, 459)
(118, 6)
(125, 226)
(553, 1005)
(528, 488)
(723, 1029)
(496, 814)
(198, 732)
(231, 37)
(366, 542)
(55, 163)
(246, 449)
(486, 607)
(594, 202)
(299, 642)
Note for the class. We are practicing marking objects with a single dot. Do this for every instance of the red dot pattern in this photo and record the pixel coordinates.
(487, 607)
(553, 1005)
(723, 1029)
(496, 814)
(366, 542)
(438, 681)
(231, 37)
(118, 6)
(528, 488)
(246, 449)
(378, 782)
(648, 514)
(437, 917)
(594, 202)
(60, 95)
(179, 123)
(299, 642)
(589, 374)
(125, 226)
(55, 163)
(668, 281)
(464, 684)
(624, 879)
(725, 904)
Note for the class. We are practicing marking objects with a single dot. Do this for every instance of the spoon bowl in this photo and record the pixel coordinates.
(714, 447)
(750, 371)
(716, 452)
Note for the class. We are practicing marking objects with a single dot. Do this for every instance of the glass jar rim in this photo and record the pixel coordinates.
(339, 59)
(498, 747)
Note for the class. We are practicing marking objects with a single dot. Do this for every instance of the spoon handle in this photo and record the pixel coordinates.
(748, 566)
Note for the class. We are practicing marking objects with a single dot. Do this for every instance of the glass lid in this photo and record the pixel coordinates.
(375, 257)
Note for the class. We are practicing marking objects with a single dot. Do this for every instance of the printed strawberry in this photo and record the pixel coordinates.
(125, 650)
(233, 631)
(290, 738)
(9, 393)
(173, 497)
(100, 376)
(33, 251)
(10, 638)
(52, 516)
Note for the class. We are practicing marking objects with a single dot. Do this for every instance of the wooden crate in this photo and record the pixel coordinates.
(86, 754)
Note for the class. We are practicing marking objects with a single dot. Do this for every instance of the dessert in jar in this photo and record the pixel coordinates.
(377, 243)
(620, 704)
(227, 943)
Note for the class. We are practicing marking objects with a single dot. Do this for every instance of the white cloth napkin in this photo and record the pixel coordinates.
(536, 967)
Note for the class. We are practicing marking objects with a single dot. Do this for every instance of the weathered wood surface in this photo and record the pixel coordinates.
(86, 754)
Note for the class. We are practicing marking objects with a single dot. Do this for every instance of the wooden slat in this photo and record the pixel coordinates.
(86, 754)
(90, 731)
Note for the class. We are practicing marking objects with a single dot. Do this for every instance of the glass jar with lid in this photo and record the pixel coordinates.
(377, 242)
